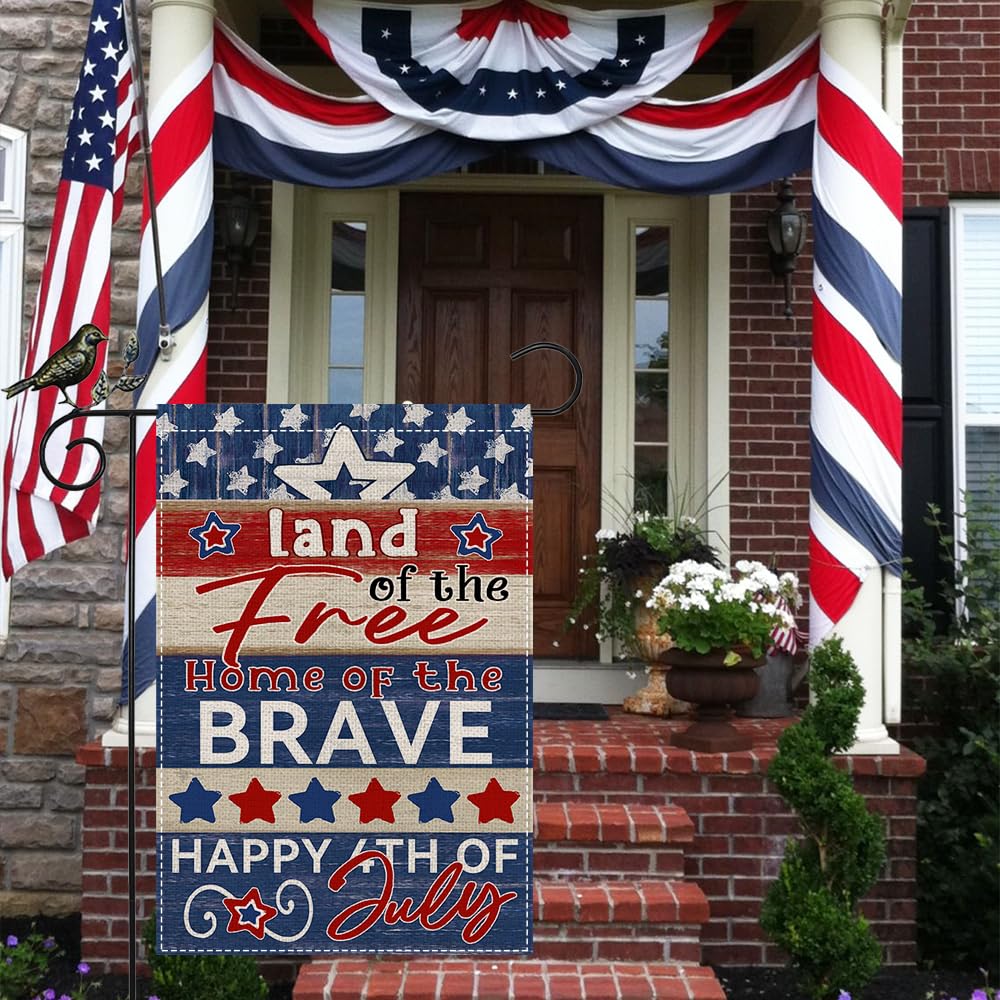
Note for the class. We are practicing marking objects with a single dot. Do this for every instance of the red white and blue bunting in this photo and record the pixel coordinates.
(510, 70)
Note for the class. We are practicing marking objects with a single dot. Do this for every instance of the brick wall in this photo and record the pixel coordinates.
(59, 673)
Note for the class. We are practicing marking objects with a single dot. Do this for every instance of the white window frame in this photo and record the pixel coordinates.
(960, 212)
(15, 144)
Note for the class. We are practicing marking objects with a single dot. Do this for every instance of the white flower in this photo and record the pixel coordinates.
(638, 593)
(555, 642)
(631, 675)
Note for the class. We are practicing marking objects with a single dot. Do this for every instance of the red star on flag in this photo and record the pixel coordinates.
(375, 802)
(257, 802)
(494, 802)
(215, 537)
(250, 914)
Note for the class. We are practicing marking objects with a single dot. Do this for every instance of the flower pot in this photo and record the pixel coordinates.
(651, 644)
(705, 680)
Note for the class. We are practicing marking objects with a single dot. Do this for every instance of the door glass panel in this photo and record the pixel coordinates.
(651, 312)
(347, 313)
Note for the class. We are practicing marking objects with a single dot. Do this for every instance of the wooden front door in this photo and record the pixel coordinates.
(481, 276)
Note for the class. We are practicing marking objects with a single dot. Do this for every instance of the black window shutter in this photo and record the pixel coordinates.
(927, 390)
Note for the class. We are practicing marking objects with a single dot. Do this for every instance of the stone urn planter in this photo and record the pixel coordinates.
(650, 645)
(705, 680)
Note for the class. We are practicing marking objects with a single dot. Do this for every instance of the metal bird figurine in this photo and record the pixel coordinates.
(71, 364)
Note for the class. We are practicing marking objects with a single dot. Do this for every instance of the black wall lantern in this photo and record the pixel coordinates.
(786, 235)
(240, 231)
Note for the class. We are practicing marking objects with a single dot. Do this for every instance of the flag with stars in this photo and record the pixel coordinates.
(344, 645)
(511, 70)
(75, 288)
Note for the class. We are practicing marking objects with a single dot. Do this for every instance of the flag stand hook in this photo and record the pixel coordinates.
(547, 345)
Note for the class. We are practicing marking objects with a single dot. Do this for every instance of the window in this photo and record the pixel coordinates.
(976, 264)
(347, 313)
(13, 145)
(651, 304)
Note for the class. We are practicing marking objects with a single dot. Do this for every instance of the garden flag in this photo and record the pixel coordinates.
(344, 640)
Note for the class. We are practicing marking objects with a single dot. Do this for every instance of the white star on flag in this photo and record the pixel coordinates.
(85, 137)
(88, 68)
(279, 493)
(415, 413)
(226, 421)
(200, 453)
(99, 24)
(107, 120)
(240, 482)
(443, 494)
(512, 493)
(173, 483)
(267, 449)
(459, 421)
(511, 94)
(431, 452)
(402, 493)
(93, 163)
(97, 94)
(293, 418)
(471, 481)
(164, 428)
(530, 470)
(498, 449)
(387, 442)
(343, 453)
(364, 410)
(522, 418)
(539, 92)
(560, 84)
(110, 52)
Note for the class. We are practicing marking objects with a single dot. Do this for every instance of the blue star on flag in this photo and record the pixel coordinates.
(196, 802)
(215, 536)
(315, 802)
(477, 537)
(435, 802)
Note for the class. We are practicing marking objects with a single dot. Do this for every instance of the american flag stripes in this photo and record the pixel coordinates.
(855, 514)
(75, 289)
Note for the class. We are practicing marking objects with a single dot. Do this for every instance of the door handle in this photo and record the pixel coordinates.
(545, 345)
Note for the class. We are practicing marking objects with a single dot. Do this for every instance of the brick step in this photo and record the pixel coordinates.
(509, 979)
(621, 921)
(610, 840)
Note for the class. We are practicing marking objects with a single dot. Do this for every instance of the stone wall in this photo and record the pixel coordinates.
(59, 674)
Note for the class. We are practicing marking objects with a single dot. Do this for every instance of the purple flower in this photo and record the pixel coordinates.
(49, 994)
(979, 995)
(65, 996)
(843, 995)
(11, 941)
(83, 969)
(49, 943)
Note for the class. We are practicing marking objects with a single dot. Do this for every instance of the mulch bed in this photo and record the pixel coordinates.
(755, 983)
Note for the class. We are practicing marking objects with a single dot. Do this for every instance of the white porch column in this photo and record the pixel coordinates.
(180, 31)
(851, 32)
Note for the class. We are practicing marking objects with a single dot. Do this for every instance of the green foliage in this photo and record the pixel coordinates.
(811, 911)
(184, 977)
(24, 969)
(703, 608)
(614, 582)
(958, 817)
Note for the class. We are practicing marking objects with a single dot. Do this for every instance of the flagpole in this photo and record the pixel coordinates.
(166, 338)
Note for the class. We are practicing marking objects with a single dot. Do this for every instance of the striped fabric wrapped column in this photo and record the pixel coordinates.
(180, 125)
(855, 507)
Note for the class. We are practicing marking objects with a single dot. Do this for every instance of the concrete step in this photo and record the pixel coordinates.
(509, 979)
(610, 840)
(619, 921)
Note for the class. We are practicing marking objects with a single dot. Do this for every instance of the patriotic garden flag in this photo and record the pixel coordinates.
(344, 632)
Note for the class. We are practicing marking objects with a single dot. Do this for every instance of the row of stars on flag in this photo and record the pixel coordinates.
(316, 802)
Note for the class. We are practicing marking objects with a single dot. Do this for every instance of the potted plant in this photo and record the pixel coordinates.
(615, 584)
(720, 624)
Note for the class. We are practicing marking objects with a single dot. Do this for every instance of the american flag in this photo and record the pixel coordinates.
(75, 288)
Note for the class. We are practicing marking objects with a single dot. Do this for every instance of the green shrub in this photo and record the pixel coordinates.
(811, 911)
(185, 977)
(958, 812)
